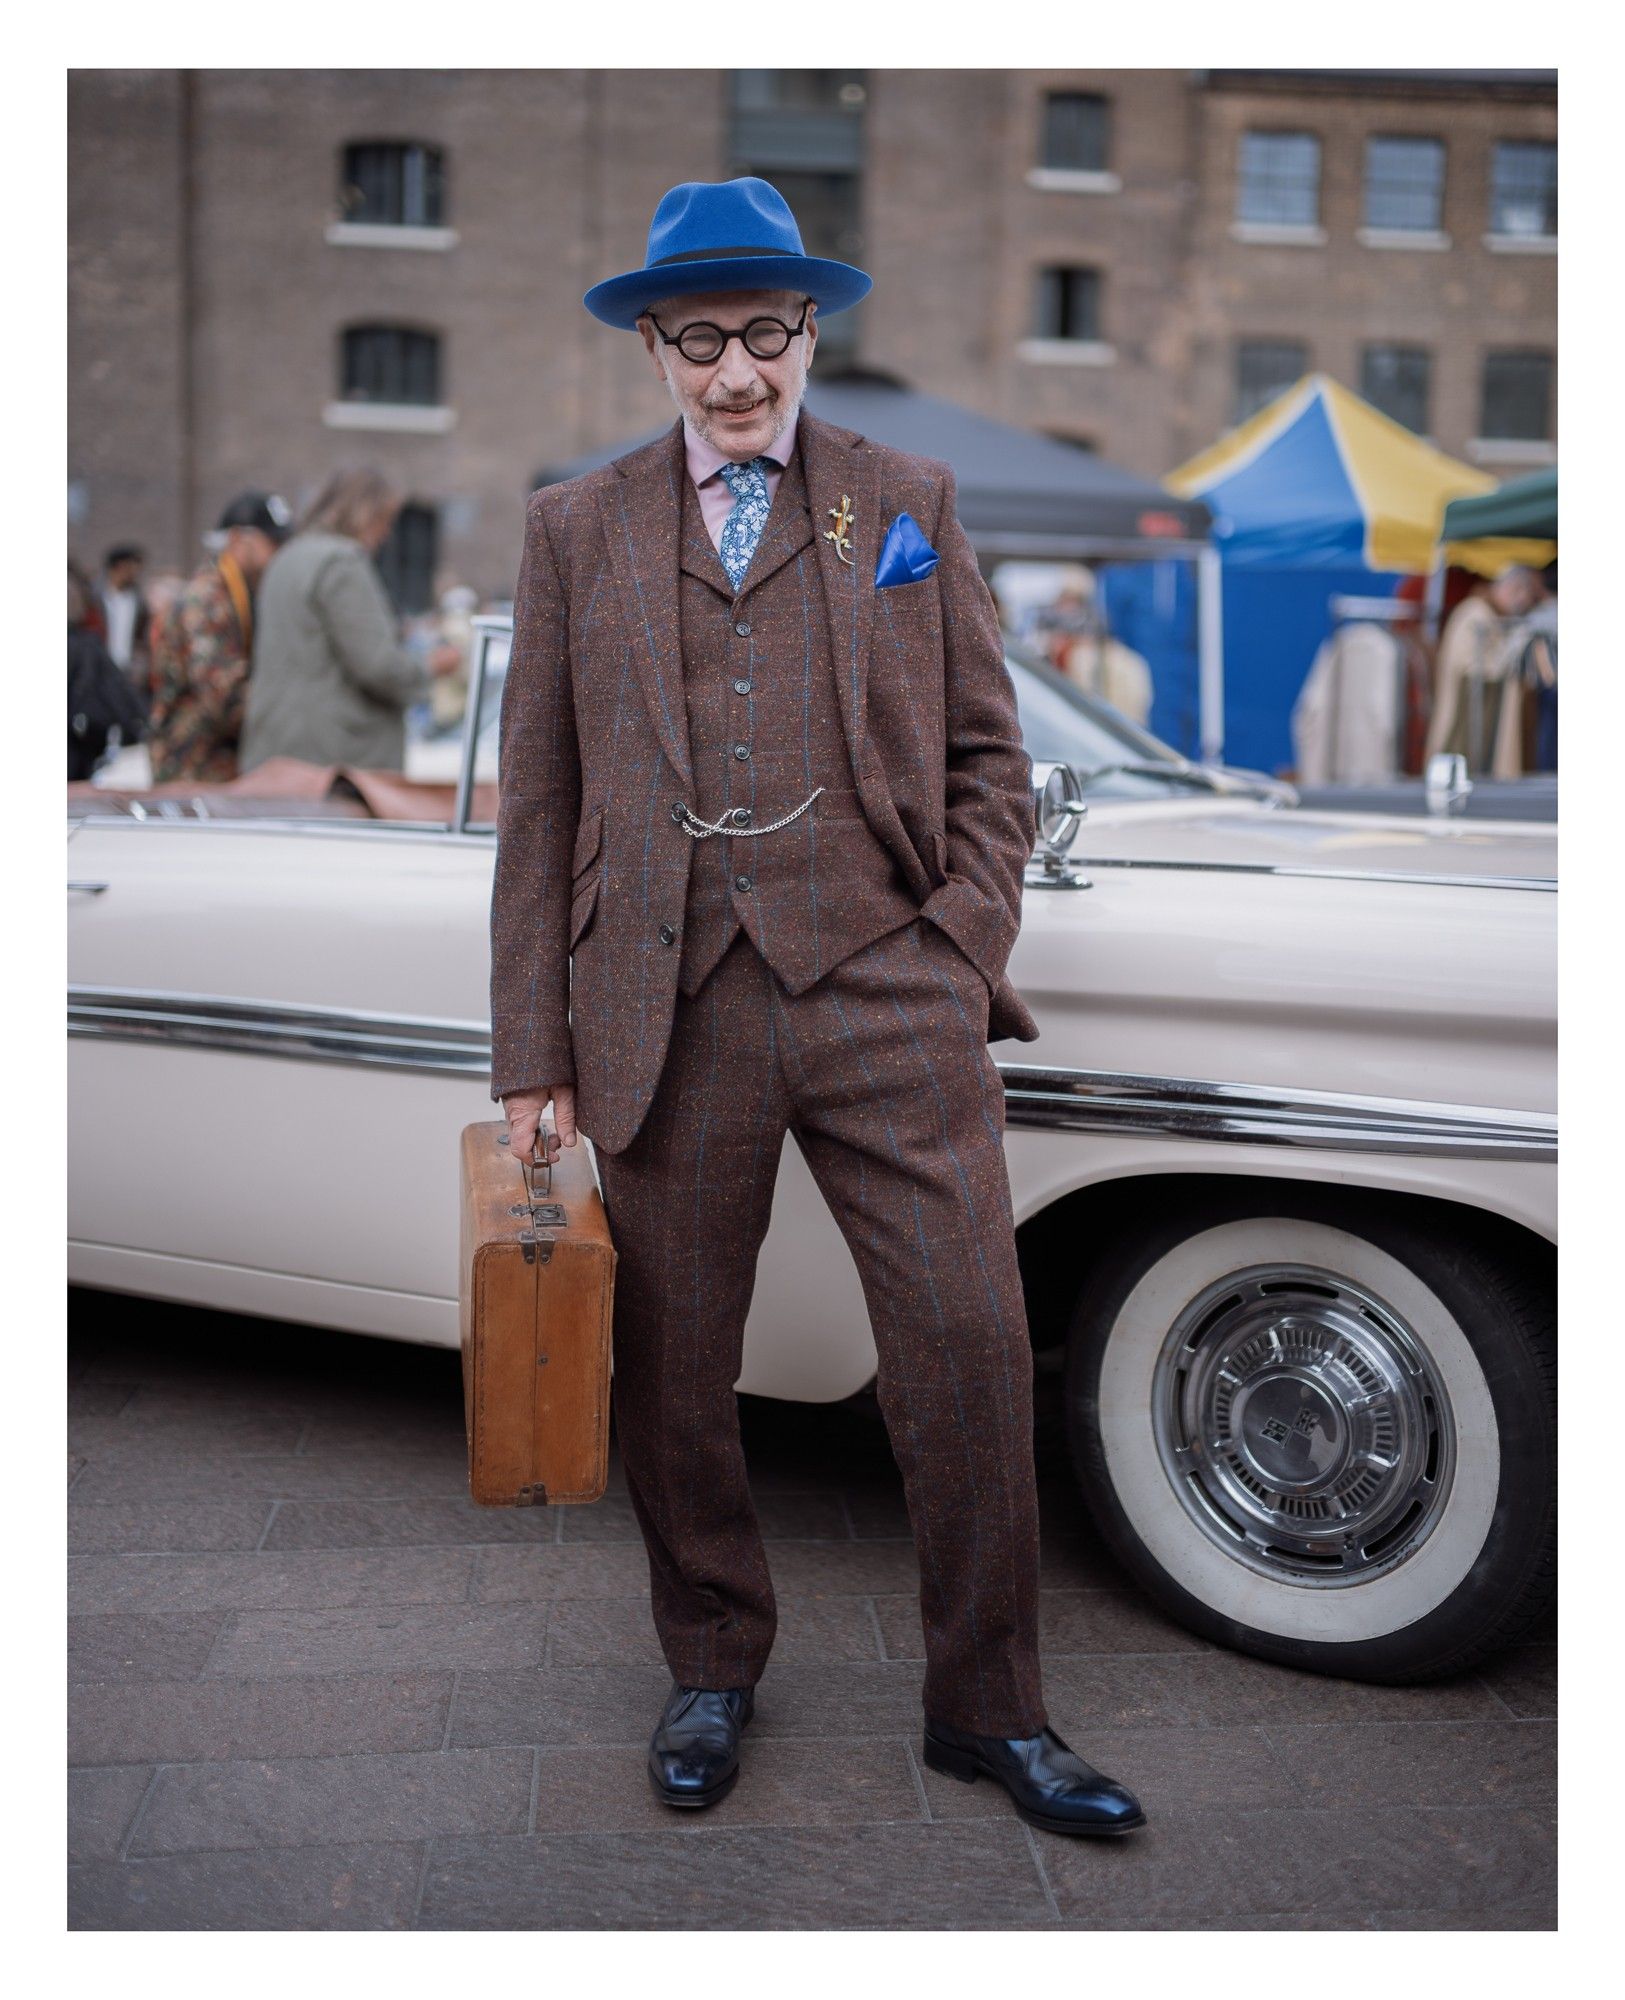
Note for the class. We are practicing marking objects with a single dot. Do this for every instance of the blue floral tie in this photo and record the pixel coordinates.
(743, 528)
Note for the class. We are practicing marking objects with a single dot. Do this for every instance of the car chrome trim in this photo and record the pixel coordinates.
(1036, 1097)
(1545, 883)
(265, 1028)
(1084, 1100)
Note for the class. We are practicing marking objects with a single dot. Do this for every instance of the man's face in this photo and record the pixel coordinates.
(737, 402)
(251, 549)
(124, 575)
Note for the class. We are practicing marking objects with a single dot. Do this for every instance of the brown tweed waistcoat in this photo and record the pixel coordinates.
(764, 730)
(590, 899)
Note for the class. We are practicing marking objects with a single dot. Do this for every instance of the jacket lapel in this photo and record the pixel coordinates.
(835, 465)
(642, 516)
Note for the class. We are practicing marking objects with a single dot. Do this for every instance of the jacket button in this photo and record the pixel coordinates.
(741, 881)
(666, 934)
(679, 811)
(742, 627)
(741, 751)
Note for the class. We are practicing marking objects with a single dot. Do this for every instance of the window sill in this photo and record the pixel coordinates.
(1308, 235)
(1079, 353)
(1403, 239)
(1521, 246)
(1073, 180)
(431, 418)
(389, 236)
(1512, 451)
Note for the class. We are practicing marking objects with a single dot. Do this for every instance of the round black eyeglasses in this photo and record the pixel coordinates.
(766, 338)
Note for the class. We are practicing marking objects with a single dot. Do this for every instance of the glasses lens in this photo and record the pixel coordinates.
(767, 338)
(700, 342)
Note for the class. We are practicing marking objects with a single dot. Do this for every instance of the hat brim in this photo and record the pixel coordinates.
(834, 286)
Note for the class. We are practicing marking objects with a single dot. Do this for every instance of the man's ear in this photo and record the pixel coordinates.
(646, 327)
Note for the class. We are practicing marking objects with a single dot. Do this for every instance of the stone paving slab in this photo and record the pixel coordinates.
(313, 1687)
(220, 1721)
(298, 1802)
(773, 1878)
(357, 1888)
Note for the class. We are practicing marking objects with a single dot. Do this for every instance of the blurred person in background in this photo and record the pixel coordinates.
(124, 610)
(103, 708)
(1471, 680)
(203, 647)
(331, 681)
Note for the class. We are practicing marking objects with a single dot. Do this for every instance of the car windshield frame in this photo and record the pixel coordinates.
(1087, 733)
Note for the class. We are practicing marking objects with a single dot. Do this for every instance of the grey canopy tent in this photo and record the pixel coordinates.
(1019, 494)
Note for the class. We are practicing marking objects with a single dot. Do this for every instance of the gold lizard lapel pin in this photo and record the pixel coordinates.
(843, 516)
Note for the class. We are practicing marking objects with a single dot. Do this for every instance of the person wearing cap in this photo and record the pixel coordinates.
(763, 821)
(204, 645)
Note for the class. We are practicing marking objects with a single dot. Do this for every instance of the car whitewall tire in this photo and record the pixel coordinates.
(1404, 1523)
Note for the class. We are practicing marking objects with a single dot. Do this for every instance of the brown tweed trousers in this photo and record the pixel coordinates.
(838, 978)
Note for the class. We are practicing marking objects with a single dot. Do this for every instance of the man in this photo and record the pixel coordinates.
(779, 818)
(124, 611)
(203, 650)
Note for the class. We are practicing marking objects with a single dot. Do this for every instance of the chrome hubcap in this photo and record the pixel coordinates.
(1303, 1424)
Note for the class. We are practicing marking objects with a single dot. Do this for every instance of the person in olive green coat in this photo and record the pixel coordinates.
(331, 681)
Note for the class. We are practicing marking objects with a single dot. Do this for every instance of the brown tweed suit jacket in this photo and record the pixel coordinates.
(594, 753)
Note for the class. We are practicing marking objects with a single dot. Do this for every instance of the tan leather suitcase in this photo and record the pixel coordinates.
(536, 1293)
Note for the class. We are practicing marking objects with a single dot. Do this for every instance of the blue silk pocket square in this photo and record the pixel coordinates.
(906, 557)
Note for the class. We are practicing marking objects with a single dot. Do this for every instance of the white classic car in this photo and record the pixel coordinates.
(1283, 1160)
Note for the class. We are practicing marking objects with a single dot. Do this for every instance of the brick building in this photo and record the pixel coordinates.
(272, 273)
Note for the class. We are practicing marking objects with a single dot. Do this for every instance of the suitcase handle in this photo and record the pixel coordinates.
(538, 1162)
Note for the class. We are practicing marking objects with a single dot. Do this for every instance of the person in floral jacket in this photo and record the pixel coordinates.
(203, 649)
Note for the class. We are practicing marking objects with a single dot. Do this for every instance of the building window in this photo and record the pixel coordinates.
(395, 184)
(390, 364)
(1404, 184)
(1517, 396)
(1395, 380)
(1076, 132)
(1523, 188)
(408, 560)
(802, 130)
(1263, 369)
(1280, 179)
(1067, 303)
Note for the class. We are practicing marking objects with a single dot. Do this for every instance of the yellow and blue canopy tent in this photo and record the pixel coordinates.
(1316, 496)
(1320, 479)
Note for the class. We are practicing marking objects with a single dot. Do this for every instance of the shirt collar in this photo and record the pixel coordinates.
(705, 460)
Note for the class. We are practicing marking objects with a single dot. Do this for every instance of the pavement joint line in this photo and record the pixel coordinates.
(305, 1430)
(1497, 1695)
(1043, 1872)
(874, 1621)
(919, 1782)
(227, 1620)
(558, 1527)
(423, 1883)
(846, 1515)
(451, 1707)
(535, 1792)
(270, 1517)
(140, 1811)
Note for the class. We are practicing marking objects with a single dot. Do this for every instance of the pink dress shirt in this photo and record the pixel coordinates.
(705, 463)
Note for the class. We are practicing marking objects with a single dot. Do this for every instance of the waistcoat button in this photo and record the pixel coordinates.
(741, 751)
(666, 934)
(741, 815)
(741, 687)
(741, 881)
(743, 628)
(679, 811)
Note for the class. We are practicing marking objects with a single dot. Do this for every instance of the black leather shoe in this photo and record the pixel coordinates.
(1051, 1785)
(694, 1752)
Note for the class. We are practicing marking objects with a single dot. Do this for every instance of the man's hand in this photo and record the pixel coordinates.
(523, 1111)
(445, 659)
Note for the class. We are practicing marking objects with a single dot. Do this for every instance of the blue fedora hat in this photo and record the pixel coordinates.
(725, 236)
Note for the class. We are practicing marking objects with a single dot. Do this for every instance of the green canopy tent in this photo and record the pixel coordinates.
(1523, 509)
